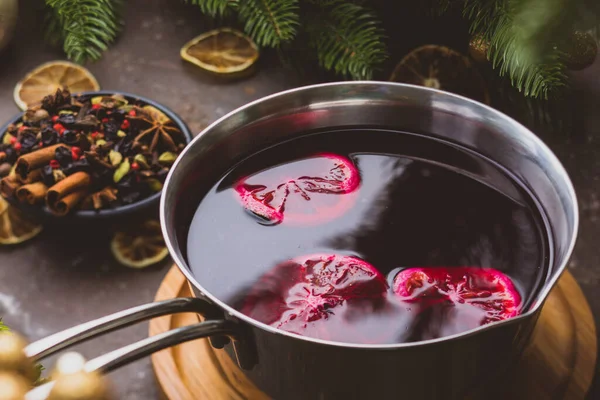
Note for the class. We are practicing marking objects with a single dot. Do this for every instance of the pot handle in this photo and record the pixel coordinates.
(125, 355)
(69, 337)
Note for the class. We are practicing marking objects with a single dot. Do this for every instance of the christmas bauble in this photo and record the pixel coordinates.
(580, 50)
(478, 48)
(8, 20)
(13, 358)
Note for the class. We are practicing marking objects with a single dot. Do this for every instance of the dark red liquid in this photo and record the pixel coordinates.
(294, 238)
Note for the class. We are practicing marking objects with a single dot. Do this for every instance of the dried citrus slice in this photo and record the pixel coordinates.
(440, 67)
(15, 227)
(458, 298)
(309, 191)
(316, 295)
(222, 51)
(48, 77)
(141, 246)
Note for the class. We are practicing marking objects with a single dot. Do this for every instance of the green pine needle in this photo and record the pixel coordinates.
(484, 15)
(348, 40)
(521, 35)
(215, 8)
(85, 27)
(270, 22)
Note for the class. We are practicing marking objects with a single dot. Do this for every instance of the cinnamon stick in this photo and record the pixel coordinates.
(8, 185)
(77, 182)
(31, 177)
(63, 206)
(36, 159)
(32, 193)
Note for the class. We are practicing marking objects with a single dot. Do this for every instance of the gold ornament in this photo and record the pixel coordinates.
(13, 386)
(13, 358)
(478, 48)
(73, 383)
(580, 50)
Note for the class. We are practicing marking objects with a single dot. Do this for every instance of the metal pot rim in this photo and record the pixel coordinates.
(542, 296)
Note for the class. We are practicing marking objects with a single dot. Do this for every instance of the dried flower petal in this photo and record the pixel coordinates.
(7, 138)
(58, 175)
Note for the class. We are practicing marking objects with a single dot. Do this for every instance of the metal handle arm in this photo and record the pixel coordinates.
(117, 358)
(80, 333)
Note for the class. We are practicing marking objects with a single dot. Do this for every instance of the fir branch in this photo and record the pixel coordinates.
(215, 8)
(522, 53)
(348, 40)
(270, 22)
(86, 27)
(484, 15)
(522, 34)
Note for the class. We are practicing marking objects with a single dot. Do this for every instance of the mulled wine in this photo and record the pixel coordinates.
(370, 236)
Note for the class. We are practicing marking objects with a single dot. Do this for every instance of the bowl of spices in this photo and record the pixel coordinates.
(94, 155)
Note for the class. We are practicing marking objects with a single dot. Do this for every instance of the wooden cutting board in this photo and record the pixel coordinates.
(558, 364)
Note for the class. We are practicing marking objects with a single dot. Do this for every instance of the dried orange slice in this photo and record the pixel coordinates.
(16, 227)
(48, 77)
(140, 246)
(440, 67)
(222, 51)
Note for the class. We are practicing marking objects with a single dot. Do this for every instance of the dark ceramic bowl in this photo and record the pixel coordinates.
(122, 213)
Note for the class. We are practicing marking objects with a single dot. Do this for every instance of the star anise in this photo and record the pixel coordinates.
(101, 199)
(51, 102)
(104, 197)
(158, 126)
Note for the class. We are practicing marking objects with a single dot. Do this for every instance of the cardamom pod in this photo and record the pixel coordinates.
(115, 157)
(141, 160)
(155, 185)
(121, 170)
(167, 158)
(127, 107)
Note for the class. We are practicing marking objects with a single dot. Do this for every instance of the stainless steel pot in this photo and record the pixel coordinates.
(289, 366)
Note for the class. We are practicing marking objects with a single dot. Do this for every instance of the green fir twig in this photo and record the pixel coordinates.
(270, 22)
(215, 8)
(85, 27)
(348, 40)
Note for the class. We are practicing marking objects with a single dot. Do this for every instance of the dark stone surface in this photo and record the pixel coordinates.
(54, 282)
